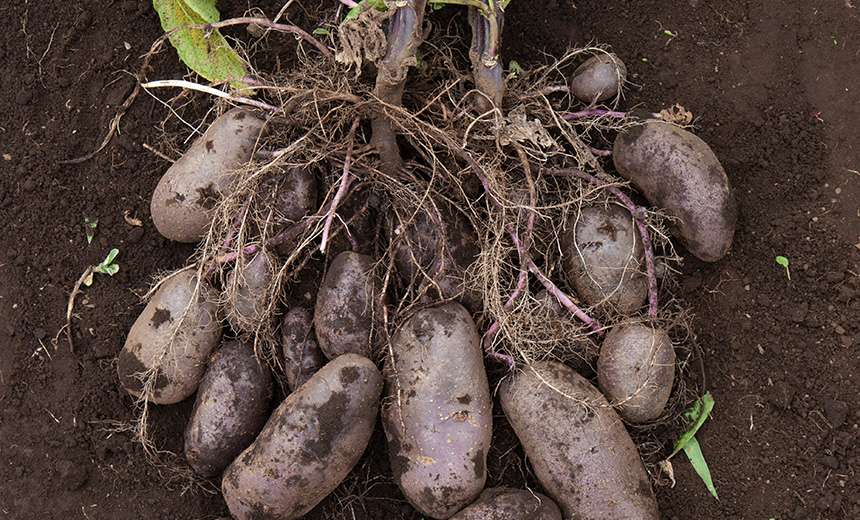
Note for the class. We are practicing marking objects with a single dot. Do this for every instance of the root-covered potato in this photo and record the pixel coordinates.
(302, 354)
(678, 172)
(604, 258)
(247, 289)
(578, 447)
(598, 79)
(183, 203)
(438, 410)
(170, 342)
(435, 249)
(231, 408)
(295, 193)
(309, 445)
(636, 369)
(346, 301)
(510, 504)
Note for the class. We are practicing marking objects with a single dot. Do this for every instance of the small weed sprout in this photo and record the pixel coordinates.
(695, 418)
(783, 261)
(90, 224)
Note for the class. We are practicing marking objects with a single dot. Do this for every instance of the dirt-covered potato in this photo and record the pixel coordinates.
(598, 79)
(309, 445)
(231, 407)
(604, 258)
(510, 504)
(436, 249)
(171, 340)
(345, 306)
(636, 369)
(438, 410)
(578, 447)
(295, 193)
(183, 203)
(678, 172)
(302, 354)
(247, 289)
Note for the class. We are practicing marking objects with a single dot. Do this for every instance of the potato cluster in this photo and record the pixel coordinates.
(345, 366)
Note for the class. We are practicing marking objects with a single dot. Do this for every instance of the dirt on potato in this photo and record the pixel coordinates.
(772, 87)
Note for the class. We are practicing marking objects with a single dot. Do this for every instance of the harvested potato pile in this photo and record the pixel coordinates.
(469, 240)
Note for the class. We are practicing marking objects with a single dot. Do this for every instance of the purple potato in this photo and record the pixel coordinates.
(231, 408)
(510, 504)
(248, 287)
(172, 338)
(309, 445)
(184, 201)
(302, 355)
(437, 413)
(346, 304)
(678, 172)
(580, 451)
(604, 258)
(599, 78)
(296, 193)
(636, 369)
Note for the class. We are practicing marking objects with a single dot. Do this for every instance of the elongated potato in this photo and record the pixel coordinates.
(636, 369)
(302, 355)
(678, 172)
(171, 339)
(437, 413)
(345, 306)
(577, 445)
(604, 258)
(309, 445)
(183, 203)
(510, 504)
(231, 407)
(247, 291)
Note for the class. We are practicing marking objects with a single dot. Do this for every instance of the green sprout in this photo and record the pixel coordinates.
(514, 69)
(644, 59)
(783, 261)
(687, 442)
(667, 32)
(321, 31)
(834, 40)
(90, 228)
(106, 267)
(379, 5)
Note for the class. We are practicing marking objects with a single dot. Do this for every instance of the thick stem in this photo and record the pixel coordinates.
(487, 26)
(344, 185)
(640, 225)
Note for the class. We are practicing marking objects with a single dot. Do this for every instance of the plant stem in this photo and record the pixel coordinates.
(594, 112)
(344, 185)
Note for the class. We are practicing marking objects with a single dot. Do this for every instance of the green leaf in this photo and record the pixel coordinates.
(91, 228)
(783, 261)
(320, 30)
(206, 53)
(107, 266)
(695, 419)
(694, 453)
(379, 5)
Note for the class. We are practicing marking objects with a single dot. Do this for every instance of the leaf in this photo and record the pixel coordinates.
(695, 419)
(378, 4)
(321, 31)
(107, 266)
(694, 453)
(783, 261)
(206, 53)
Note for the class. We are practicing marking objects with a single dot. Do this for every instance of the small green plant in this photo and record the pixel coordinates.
(90, 224)
(514, 70)
(106, 267)
(379, 5)
(783, 261)
(321, 31)
(687, 442)
(667, 32)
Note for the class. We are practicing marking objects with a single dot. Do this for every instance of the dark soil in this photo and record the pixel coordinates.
(775, 88)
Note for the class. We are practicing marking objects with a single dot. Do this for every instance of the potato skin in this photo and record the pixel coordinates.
(578, 447)
(302, 355)
(437, 414)
(248, 285)
(510, 504)
(604, 258)
(231, 407)
(309, 445)
(599, 78)
(184, 201)
(636, 368)
(151, 336)
(346, 301)
(678, 172)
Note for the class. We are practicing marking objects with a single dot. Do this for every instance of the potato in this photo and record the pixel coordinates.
(436, 249)
(183, 203)
(510, 504)
(678, 172)
(598, 79)
(173, 337)
(345, 306)
(247, 291)
(580, 452)
(295, 193)
(636, 369)
(604, 258)
(309, 445)
(437, 414)
(302, 354)
(231, 408)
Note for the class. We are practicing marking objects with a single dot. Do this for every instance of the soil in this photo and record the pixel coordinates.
(774, 89)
